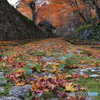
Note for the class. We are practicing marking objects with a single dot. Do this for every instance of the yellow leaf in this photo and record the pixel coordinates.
(82, 88)
(54, 77)
(69, 87)
(33, 87)
(35, 76)
(19, 71)
(74, 65)
(18, 75)
(68, 76)
(55, 66)
(44, 69)
(18, 58)
(20, 84)
(45, 77)
(83, 61)
(46, 90)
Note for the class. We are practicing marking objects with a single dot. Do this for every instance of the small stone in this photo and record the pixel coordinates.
(32, 79)
(82, 70)
(94, 75)
(9, 98)
(40, 94)
(3, 82)
(53, 99)
(50, 75)
(47, 59)
(1, 74)
(20, 91)
(81, 73)
(2, 79)
(92, 70)
(1, 90)
(89, 98)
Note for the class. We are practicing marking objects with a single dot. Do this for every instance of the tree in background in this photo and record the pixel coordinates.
(32, 5)
(64, 14)
(37, 11)
(95, 4)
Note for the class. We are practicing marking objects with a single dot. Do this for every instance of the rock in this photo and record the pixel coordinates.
(83, 70)
(89, 98)
(1, 90)
(31, 79)
(20, 91)
(83, 65)
(80, 73)
(75, 71)
(93, 70)
(47, 59)
(1, 74)
(9, 98)
(42, 74)
(49, 75)
(3, 81)
(94, 75)
(53, 99)
(40, 94)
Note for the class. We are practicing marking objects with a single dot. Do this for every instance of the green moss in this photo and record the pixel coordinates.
(38, 53)
(86, 52)
(81, 28)
(95, 27)
(48, 95)
(91, 85)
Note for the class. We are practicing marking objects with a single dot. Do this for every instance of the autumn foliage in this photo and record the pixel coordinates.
(61, 12)
(26, 64)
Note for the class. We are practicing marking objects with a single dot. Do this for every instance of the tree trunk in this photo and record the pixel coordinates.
(32, 6)
(15, 26)
(97, 10)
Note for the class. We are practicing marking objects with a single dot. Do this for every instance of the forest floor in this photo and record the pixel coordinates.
(52, 67)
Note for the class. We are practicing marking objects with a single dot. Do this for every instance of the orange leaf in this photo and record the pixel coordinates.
(33, 87)
(20, 84)
(85, 76)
